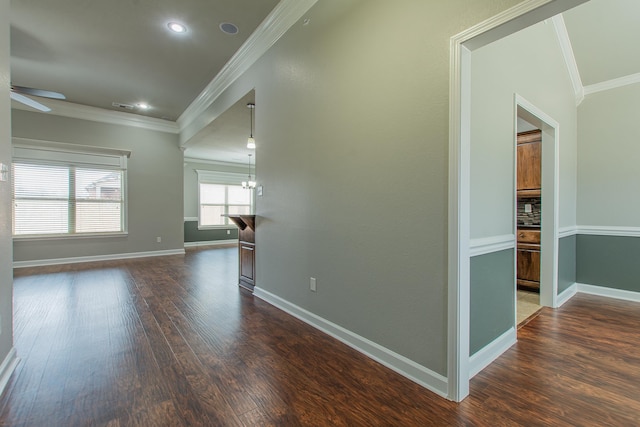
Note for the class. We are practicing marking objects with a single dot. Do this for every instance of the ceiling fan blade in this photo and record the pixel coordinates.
(29, 102)
(38, 92)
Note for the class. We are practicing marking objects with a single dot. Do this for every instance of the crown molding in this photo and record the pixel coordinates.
(612, 84)
(281, 18)
(85, 112)
(569, 57)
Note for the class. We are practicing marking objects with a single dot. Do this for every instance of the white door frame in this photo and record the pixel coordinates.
(508, 22)
(550, 197)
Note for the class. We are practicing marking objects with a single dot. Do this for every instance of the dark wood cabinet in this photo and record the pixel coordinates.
(529, 162)
(246, 249)
(528, 259)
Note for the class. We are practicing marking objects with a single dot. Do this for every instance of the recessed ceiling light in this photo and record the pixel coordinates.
(229, 28)
(177, 27)
(142, 105)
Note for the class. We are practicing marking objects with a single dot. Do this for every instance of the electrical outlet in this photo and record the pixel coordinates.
(228, 231)
(527, 208)
(159, 239)
(312, 284)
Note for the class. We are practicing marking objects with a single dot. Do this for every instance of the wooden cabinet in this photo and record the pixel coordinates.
(247, 264)
(528, 259)
(529, 163)
(246, 249)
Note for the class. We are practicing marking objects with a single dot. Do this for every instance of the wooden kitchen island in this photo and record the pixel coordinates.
(246, 249)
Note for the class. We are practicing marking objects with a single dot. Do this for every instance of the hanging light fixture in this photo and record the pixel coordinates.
(249, 185)
(251, 142)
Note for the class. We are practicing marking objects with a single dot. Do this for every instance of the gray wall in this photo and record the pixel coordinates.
(566, 263)
(354, 113)
(154, 186)
(192, 234)
(608, 153)
(492, 298)
(6, 272)
(609, 261)
(608, 182)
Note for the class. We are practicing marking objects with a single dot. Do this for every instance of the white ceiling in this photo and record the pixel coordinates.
(120, 50)
(100, 52)
(605, 36)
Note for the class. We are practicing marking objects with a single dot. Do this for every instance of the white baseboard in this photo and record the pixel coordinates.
(609, 292)
(7, 367)
(566, 295)
(93, 258)
(486, 355)
(210, 243)
(398, 363)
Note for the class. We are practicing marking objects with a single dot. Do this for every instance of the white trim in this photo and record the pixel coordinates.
(85, 112)
(64, 147)
(487, 245)
(567, 231)
(190, 218)
(603, 291)
(275, 25)
(486, 355)
(612, 84)
(569, 58)
(216, 163)
(566, 295)
(93, 258)
(400, 364)
(7, 367)
(210, 243)
(609, 231)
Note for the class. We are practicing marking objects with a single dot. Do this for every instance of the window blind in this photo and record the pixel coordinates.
(77, 191)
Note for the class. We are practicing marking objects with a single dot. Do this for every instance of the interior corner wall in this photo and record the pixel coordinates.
(190, 190)
(608, 182)
(6, 269)
(353, 129)
(530, 64)
(154, 186)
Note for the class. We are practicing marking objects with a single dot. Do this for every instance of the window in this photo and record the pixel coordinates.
(220, 194)
(68, 193)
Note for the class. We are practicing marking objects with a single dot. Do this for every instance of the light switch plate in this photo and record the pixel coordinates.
(4, 172)
(259, 190)
(527, 208)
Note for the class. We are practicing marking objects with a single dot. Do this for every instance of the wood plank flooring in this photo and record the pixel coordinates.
(173, 341)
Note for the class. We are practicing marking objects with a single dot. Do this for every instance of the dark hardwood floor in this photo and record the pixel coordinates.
(173, 341)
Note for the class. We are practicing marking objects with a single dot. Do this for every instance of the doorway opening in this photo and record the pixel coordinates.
(528, 148)
(537, 249)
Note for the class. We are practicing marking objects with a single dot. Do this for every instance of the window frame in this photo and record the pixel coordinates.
(50, 153)
(226, 179)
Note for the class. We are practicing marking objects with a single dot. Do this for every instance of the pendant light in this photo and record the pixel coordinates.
(249, 185)
(251, 143)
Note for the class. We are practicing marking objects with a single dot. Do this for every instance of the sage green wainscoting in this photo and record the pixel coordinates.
(608, 261)
(192, 234)
(492, 297)
(566, 263)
